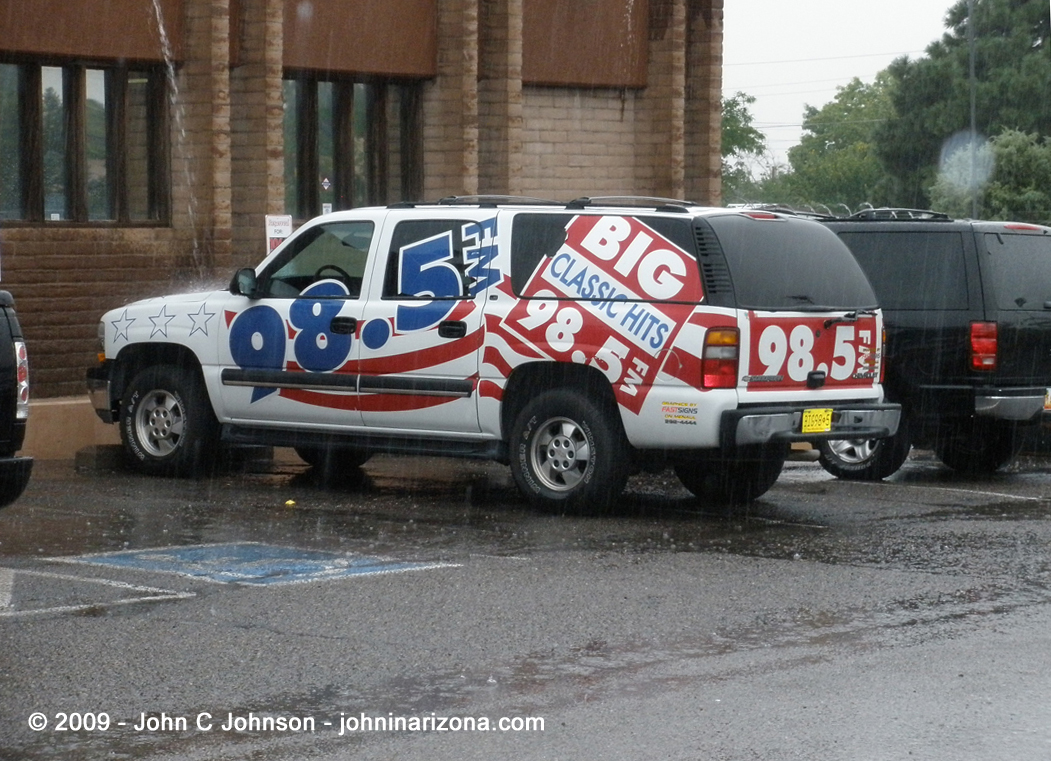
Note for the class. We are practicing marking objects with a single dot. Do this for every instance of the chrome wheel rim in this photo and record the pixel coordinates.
(560, 454)
(853, 451)
(159, 422)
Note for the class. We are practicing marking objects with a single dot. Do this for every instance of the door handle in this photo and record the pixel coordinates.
(452, 329)
(344, 325)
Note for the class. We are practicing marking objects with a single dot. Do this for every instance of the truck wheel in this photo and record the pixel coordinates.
(732, 482)
(167, 424)
(865, 459)
(568, 452)
(976, 447)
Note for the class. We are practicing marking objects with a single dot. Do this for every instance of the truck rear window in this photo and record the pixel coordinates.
(790, 264)
(913, 270)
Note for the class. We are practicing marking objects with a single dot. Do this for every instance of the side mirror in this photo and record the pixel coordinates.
(244, 283)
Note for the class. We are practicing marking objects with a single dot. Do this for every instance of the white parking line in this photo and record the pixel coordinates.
(7, 586)
(148, 594)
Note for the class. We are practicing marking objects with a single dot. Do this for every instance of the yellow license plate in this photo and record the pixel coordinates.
(817, 420)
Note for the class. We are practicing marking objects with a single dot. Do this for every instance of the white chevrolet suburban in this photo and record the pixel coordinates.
(577, 342)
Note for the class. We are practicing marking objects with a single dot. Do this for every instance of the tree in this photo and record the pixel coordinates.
(740, 142)
(835, 162)
(932, 96)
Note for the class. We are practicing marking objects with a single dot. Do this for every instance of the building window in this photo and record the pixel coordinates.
(81, 143)
(349, 143)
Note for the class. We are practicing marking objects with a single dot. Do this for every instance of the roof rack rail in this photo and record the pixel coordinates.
(900, 214)
(661, 204)
(496, 200)
(777, 208)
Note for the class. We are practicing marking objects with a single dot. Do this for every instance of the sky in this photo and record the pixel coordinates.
(794, 53)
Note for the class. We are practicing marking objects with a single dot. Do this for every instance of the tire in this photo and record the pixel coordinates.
(865, 459)
(332, 457)
(976, 447)
(722, 481)
(569, 453)
(167, 424)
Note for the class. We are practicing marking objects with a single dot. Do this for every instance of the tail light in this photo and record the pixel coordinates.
(722, 348)
(983, 345)
(22, 374)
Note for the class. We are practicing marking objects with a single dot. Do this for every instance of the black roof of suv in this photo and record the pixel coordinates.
(967, 308)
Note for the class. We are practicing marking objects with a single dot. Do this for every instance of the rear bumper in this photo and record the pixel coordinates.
(761, 425)
(1019, 404)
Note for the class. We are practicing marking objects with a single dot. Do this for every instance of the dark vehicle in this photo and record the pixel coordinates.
(14, 403)
(967, 309)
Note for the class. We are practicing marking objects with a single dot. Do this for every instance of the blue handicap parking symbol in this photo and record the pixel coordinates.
(252, 563)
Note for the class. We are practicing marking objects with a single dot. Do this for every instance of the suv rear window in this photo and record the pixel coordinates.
(1021, 270)
(790, 264)
(913, 270)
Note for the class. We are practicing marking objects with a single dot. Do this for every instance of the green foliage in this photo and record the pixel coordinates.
(932, 96)
(740, 142)
(1019, 185)
(836, 162)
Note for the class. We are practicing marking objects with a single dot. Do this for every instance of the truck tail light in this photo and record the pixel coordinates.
(983, 345)
(22, 375)
(722, 348)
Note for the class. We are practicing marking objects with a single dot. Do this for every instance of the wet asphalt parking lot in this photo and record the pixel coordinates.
(831, 620)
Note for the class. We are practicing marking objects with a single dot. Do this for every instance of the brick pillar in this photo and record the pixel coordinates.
(220, 178)
(451, 104)
(704, 67)
(201, 180)
(661, 137)
(257, 123)
(500, 97)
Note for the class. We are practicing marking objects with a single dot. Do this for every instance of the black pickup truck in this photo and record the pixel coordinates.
(967, 308)
(14, 403)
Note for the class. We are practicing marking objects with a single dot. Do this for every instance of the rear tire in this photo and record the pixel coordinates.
(725, 481)
(977, 447)
(569, 453)
(167, 424)
(865, 459)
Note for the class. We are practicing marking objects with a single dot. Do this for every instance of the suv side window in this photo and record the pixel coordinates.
(1021, 270)
(333, 251)
(427, 261)
(932, 276)
(535, 236)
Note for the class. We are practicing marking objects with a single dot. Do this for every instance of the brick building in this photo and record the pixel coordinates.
(142, 142)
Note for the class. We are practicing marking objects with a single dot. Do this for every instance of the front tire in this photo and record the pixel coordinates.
(167, 424)
(568, 452)
(865, 459)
